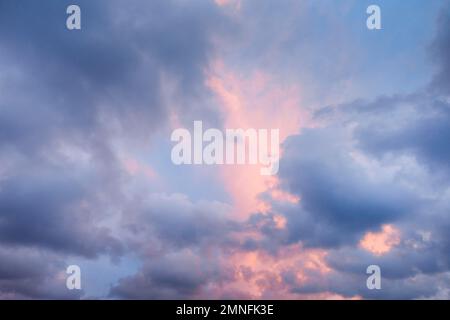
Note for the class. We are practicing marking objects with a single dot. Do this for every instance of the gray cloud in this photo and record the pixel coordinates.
(339, 199)
(67, 96)
(47, 210)
(182, 244)
(177, 221)
(176, 275)
(33, 274)
(439, 51)
(366, 164)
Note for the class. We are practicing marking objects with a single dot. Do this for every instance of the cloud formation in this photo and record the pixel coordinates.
(85, 170)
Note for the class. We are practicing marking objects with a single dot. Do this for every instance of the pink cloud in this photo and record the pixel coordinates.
(235, 4)
(260, 275)
(254, 101)
(134, 168)
(380, 243)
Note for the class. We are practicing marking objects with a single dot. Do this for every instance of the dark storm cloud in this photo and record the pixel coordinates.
(62, 93)
(404, 261)
(339, 200)
(407, 273)
(340, 170)
(65, 96)
(370, 163)
(32, 274)
(58, 82)
(373, 163)
(46, 210)
(174, 276)
(178, 222)
(416, 125)
(115, 40)
(183, 245)
(354, 285)
(114, 64)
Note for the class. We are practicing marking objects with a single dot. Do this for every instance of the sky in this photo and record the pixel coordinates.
(87, 179)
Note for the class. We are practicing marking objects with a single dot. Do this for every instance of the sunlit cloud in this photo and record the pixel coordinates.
(254, 101)
(380, 243)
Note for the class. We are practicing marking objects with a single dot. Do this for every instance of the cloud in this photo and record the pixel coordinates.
(74, 105)
(440, 49)
(26, 273)
(365, 165)
(339, 200)
(415, 125)
(111, 70)
(71, 100)
(175, 275)
(182, 244)
(177, 222)
(53, 210)
(362, 166)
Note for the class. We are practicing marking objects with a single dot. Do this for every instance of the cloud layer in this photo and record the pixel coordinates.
(85, 171)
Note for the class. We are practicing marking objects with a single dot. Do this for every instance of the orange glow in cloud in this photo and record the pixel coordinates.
(255, 101)
(283, 196)
(382, 242)
(280, 221)
(259, 275)
(258, 101)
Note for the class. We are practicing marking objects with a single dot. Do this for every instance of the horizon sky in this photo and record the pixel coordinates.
(87, 179)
